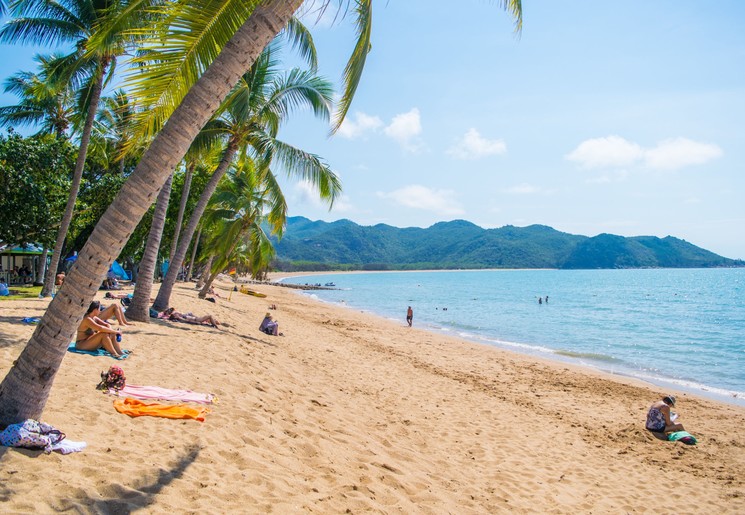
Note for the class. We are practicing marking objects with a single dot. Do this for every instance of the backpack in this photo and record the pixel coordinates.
(31, 434)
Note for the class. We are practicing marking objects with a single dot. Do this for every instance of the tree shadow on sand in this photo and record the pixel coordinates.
(121, 499)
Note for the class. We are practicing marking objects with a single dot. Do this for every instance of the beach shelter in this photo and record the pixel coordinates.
(18, 256)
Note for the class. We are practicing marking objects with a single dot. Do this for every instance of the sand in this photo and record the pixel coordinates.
(350, 413)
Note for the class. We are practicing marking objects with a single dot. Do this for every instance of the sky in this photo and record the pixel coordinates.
(600, 117)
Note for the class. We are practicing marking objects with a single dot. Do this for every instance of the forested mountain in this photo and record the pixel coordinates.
(317, 245)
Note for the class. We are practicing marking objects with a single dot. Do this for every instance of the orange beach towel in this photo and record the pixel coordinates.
(135, 408)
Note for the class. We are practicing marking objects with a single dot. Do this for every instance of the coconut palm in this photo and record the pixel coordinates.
(247, 196)
(251, 115)
(26, 387)
(111, 136)
(86, 68)
(43, 102)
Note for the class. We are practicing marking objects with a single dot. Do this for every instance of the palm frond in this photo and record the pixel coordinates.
(356, 63)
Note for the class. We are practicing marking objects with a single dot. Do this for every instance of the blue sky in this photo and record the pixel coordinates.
(618, 117)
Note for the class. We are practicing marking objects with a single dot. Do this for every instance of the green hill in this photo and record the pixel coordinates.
(345, 245)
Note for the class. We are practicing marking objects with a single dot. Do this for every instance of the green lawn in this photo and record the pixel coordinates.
(22, 292)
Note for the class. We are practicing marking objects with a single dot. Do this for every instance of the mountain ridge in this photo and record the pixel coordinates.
(346, 245)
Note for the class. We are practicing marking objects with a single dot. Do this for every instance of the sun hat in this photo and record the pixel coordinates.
(669, 399)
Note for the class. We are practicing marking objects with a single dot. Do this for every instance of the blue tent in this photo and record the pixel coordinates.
(119, 271)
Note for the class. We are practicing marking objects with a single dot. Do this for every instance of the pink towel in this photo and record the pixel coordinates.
(156, 392)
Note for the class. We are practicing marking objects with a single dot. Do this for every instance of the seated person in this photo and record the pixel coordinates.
(114, 310)
(59, 279)
(659, 418)
(269, 326)
(109, 295)
(94, 333)
(189, 318)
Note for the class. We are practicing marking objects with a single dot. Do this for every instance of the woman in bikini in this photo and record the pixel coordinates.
(94, 333)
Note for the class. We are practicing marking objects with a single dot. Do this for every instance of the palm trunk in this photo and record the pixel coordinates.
(181, 208)
(194, 254)
(206, 272)
(43, 265)
(164, 294)
(139, 309)
(76, 178)
(25, 389)
(213, 275)
(208, 283)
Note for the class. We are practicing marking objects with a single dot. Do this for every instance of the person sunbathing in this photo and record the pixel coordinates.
(95, 333)
(190, 318)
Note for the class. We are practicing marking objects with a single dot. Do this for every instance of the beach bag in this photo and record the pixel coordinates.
(682, 436)
(113, 379)
(126, 301)
(154, 313)
(31, 434)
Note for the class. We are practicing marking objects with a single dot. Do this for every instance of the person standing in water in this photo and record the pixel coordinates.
(409, 316)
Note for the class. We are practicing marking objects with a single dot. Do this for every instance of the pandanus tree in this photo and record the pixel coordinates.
(251, 116)
(87, 68)
(248, 196)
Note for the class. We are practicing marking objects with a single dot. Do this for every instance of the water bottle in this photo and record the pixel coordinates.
(118, 337)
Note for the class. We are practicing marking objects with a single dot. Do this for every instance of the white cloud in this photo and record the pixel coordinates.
(669, 154)
(522, 189)
(404, 128)
(675, 153)
(361, 124)
(306, 193)
(416, 196)
(609, 152)
(473, 146)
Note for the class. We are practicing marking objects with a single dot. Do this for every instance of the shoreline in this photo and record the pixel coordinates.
(552, 355)
(353, 412)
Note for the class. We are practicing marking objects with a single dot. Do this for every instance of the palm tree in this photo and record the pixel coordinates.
(87, 66)
(25, 389)
(44, 103)
(246, 197)
(139, 308)
(111, 136)
(251, 115)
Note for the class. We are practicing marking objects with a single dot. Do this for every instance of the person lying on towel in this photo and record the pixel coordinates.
(190, 318)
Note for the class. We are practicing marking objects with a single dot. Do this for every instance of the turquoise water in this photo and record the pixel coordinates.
(684, 328)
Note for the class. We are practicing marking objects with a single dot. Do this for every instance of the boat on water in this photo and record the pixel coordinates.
(329, 284)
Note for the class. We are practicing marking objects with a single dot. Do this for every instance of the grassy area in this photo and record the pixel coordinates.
(22, 292)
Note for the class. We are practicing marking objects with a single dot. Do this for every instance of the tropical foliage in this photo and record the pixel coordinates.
(34, 181)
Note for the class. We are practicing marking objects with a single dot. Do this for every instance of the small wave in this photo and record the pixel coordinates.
(587, 355)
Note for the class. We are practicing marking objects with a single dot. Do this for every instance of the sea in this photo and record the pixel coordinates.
(680, 328)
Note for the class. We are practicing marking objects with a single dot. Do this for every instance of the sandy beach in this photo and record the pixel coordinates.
(350, 413)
